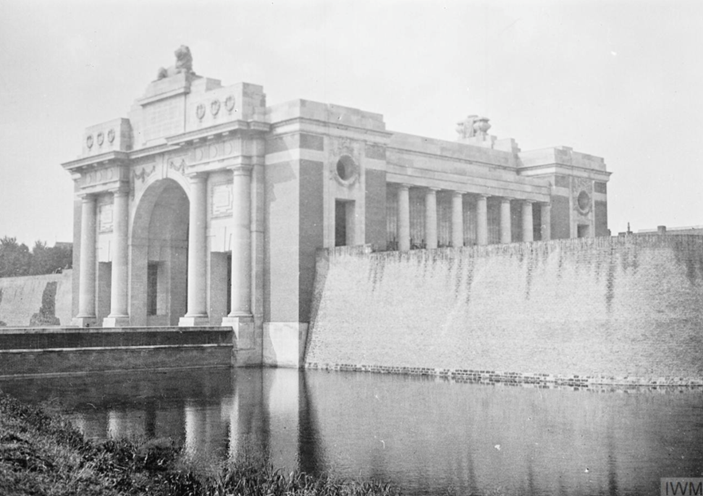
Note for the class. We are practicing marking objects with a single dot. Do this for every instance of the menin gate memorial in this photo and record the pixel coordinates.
(206, 206)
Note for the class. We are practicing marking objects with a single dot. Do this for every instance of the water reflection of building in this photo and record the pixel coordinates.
(183, 207)
(421, 434)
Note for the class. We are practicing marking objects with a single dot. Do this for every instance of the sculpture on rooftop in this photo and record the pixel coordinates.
(184, 64)
(472, 126)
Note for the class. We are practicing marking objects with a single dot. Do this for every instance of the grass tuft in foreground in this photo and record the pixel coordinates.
(41, 452)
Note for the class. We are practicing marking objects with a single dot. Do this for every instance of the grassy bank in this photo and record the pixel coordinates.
(41, 452)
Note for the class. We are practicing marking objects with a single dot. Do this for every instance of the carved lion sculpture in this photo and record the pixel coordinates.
(184, 64)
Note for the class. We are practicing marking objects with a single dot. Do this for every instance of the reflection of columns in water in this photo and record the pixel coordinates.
(95, 424)
(191, 424)
(309, 456)
(126, 424)
(206, 430)
(281, 393)
(232, 433)
(248, 422)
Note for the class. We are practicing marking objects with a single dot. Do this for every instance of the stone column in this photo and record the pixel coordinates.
(241, 302)
(118, 290)
(527, 221)
(505, 220)
(457, 220)
(431, 219)
(197, 313)
(240, 317)
(545, 216)
(404, 218)
(482, 221)
(86, 283)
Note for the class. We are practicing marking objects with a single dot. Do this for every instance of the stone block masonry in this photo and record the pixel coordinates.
(36, 300)
(52, 351)
(576, 312)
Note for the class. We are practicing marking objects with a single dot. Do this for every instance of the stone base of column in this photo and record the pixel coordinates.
(243, 325)
(194, 321)
(245, 352)
(84, 322)
(119, 321)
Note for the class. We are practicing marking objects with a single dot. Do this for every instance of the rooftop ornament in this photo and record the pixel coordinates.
(472, 126)
(184, 64)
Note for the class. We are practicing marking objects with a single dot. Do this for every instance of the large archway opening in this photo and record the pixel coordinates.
(159, 255)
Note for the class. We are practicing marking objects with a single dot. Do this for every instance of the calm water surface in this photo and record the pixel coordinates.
(424, 435)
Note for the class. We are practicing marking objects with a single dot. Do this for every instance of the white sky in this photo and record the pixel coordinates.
(618, 79)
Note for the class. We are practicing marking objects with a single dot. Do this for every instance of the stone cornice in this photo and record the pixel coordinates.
(103, 158)
(220, 129)
(328, 125)
(172, 143)
(557, 168)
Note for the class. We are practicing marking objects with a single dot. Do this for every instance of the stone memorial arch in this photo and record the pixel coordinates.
(205, 207)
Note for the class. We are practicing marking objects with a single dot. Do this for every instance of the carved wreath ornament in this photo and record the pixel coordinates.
(230, 103)
(215, 107)
(200, 111)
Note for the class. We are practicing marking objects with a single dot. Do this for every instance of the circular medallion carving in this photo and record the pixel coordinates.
(111, 135)
(215, 107)
(584, 202)
(230, 103)
(100, 138)
(89, 141)
(346, 170)
(200, 111)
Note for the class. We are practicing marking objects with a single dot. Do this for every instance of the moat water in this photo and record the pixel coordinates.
(424, 435)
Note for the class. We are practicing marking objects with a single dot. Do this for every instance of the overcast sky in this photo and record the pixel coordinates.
(618, 79)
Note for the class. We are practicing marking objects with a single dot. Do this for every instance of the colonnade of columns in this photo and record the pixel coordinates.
(457, 219)
(197, 310)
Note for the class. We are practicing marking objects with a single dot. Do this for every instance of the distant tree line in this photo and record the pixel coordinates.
(17, 260)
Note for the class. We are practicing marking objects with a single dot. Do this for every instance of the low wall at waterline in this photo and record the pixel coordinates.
(624, 310)
(51, 351)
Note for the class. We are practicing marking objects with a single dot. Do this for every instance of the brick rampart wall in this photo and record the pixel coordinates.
(36, 300)
(579, 311)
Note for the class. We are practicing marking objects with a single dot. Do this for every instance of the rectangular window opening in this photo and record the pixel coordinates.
(152, 287)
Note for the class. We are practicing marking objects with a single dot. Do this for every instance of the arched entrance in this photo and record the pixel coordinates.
(159, 255)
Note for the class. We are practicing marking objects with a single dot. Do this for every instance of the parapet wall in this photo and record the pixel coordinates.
(36, 300)
(600, 310)
(74, 350)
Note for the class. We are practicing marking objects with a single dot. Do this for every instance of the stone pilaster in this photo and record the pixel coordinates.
(505, 221)
(457, 220)
(404, 218)
(431, 219)
(482, 221)
(527, 221)
(119, 278)
(86, 285)
(545, 214)
(197, 252)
